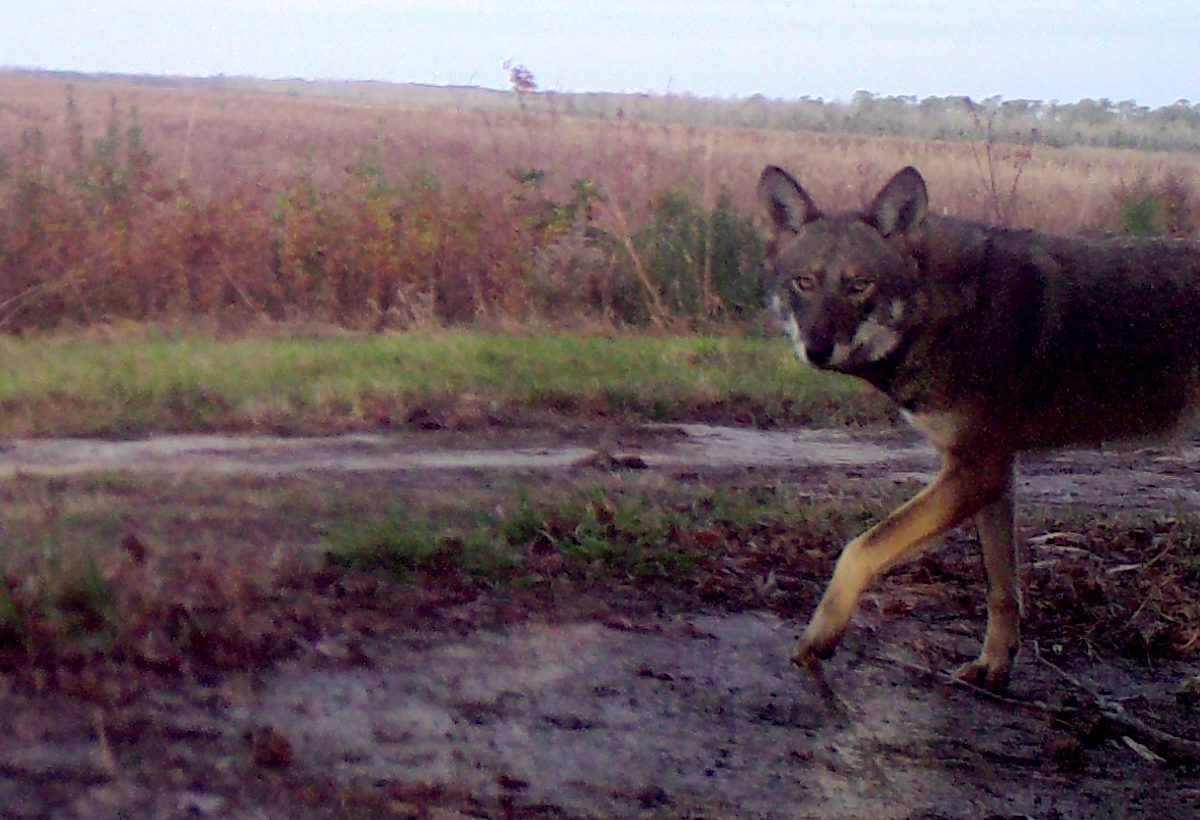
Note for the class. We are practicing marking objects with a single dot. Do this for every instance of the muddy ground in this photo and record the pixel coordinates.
(620, 705)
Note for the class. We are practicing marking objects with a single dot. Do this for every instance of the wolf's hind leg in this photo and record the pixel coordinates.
(991, 669)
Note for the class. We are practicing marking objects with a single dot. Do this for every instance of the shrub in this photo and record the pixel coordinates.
(703, 262)
(1157, 207)
(99, 231)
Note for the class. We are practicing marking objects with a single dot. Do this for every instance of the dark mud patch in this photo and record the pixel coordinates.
(699, 716)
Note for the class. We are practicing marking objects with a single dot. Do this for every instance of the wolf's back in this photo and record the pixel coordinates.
(1058, 340)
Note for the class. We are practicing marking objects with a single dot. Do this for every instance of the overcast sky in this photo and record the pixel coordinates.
(1147, 50)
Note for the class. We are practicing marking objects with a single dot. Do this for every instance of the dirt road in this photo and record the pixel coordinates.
(1154, 477)
(621, 710)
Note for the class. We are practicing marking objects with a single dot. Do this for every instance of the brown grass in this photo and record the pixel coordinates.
(373, 214)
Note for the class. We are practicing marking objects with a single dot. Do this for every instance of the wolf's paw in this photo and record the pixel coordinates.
(985, 674)
(815, 645)
(805, 654)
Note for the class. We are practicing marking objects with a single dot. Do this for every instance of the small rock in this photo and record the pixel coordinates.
(508, 781)
(653, 797)
(270, 748)
(201, 804)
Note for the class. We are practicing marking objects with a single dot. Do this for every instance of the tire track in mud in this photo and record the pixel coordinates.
(696, 445)
(1131, 477)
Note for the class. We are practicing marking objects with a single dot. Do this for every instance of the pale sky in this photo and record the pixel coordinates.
(1147, 50)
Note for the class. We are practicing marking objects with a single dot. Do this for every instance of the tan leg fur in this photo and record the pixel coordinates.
(962, 489)
(991, 669)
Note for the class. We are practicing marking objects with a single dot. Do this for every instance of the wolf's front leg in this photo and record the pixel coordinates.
(991, 669)
(961, 489)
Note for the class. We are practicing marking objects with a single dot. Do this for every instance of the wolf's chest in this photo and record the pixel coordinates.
(944, 429)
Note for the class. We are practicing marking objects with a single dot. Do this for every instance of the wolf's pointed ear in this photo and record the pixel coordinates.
(785, 201)
(901, 205)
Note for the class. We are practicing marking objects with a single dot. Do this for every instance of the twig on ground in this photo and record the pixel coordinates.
(1173, 748)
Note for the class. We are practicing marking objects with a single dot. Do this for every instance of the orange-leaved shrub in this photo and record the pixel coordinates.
(107, 233)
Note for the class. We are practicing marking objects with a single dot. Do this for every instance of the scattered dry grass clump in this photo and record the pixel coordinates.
(161, 615)
(1120, 584)
(112, 585)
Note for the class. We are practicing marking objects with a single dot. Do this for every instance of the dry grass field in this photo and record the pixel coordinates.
(125, 200)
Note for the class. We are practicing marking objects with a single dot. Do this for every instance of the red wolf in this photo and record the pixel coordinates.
(992, 342)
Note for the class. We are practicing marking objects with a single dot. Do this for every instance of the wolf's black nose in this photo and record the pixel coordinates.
(818, 353)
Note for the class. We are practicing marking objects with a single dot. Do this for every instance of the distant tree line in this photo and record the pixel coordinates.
(1101, 123)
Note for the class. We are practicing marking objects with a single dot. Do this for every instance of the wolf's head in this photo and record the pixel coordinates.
(842, 284)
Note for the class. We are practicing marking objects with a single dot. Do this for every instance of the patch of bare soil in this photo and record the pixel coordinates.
(439, 700)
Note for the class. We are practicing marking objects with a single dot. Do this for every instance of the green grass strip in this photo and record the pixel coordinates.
(162, 382)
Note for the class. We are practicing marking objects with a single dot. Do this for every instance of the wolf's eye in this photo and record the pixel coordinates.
(804, 283)
(857, 288)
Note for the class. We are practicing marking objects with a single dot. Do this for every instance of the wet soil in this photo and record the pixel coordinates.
(623, 705)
